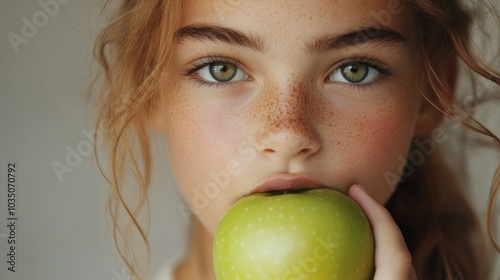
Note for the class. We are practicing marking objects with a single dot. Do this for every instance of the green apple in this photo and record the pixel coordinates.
(313, 234)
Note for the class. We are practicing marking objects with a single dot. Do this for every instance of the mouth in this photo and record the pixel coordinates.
(287, 183)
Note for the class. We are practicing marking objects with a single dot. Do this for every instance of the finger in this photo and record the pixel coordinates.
(392, 258)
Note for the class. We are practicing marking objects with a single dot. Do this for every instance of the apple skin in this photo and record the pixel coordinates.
(317, 234)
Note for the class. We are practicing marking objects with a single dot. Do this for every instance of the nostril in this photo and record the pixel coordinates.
(289, 146)
(305, 151)
(269, 151)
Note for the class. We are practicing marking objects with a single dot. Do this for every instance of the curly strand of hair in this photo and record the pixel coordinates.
(140, 29)
(144, 183)
(457, 31)
(463, 47)
(443, 29)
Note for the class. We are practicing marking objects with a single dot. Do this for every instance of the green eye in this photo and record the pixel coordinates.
(222, 72)
(218, 71)
(355, 72)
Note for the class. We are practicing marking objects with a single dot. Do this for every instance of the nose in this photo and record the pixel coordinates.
(286, 119)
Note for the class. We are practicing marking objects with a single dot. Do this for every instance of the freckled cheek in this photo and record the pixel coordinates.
(188, 129)
(373, 144)
(198, 149)
(386, 134)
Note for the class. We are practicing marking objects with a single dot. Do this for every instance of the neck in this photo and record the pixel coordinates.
(198, 262)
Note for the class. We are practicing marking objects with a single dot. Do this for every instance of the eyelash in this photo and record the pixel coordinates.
(383, 70)
(197, 65)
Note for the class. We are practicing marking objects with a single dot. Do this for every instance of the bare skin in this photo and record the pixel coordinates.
(288, 112)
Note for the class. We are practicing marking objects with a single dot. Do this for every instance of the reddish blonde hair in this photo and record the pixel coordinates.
(438, 223)
(134, 49)
(444, 234)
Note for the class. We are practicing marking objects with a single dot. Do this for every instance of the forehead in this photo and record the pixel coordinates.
(287, 19)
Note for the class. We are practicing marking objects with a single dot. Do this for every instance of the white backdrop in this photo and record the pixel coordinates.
(60, 228)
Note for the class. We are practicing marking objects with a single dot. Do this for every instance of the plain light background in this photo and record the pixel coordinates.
(44, 115)
(61, 230)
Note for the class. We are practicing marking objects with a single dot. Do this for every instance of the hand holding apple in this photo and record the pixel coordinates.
(315, 234)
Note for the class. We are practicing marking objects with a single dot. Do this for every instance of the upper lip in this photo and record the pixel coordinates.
(286, 182)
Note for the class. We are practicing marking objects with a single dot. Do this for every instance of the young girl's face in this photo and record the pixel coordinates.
(289, 94)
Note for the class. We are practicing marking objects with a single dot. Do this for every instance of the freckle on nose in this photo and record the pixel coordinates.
(286, 110)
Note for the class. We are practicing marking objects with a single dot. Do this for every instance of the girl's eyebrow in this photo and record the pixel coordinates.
(381, 35)
(215, 33)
